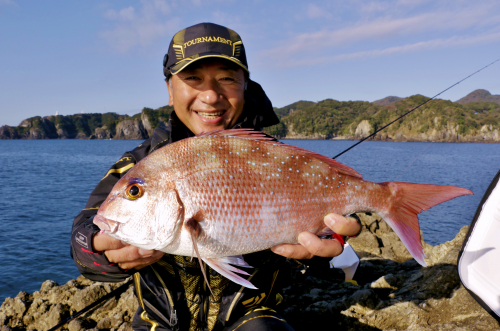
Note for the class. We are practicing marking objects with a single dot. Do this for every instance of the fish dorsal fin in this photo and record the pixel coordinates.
(260, 136)
(342, 168)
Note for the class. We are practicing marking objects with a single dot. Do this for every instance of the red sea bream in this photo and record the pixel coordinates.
(223, 194)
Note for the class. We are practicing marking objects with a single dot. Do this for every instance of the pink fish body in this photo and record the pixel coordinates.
(234, 192)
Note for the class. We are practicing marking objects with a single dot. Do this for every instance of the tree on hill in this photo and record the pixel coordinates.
(480, 96)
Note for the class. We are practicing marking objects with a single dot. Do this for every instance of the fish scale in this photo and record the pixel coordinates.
(259, 206)
(233, 192)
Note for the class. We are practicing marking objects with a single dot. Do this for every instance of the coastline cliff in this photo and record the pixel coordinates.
(474, 118)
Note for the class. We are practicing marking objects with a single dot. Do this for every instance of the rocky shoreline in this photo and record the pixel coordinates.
(393, 292)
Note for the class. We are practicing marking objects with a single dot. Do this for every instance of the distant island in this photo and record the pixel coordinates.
(473, 118)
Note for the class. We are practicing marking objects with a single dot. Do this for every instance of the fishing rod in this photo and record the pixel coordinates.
(423, 103)
(111, 294)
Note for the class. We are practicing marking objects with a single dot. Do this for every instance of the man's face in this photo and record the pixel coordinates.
(208, 95)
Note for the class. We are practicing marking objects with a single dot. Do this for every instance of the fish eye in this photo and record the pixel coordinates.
(134, 191)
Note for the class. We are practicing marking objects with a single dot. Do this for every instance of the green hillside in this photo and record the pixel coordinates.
(333, 118)
(439, 120)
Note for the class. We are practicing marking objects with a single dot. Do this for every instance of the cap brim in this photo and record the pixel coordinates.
(181, 65)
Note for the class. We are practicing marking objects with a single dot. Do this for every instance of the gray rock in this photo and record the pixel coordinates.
(126, 326)
(48, 285)
(130, 129)
(56, 314)
(75, 325)
(103, 133)
(85, 297)
(104, 323)
(389, 295)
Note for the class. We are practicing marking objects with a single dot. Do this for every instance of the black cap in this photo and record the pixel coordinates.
(201, 41)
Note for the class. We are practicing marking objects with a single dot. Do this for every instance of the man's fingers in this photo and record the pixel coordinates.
(103, 242)
(320, 247)
(291, 251)
(128, 254)
(141, 263)
(310, 245)
(345, 226)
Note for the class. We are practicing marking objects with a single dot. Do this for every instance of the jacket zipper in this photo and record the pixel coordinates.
(173, 312)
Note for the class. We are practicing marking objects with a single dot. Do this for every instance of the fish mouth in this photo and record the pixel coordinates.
(211, 115)
(105, 224)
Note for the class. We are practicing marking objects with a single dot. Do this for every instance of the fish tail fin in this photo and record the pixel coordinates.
(411, 199)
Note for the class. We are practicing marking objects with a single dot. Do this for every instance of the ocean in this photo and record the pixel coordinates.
(47, 182)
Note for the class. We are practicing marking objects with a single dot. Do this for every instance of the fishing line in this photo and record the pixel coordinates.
(423, 103)
(412, 161)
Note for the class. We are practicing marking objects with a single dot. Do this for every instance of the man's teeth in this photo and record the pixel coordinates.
(211, 115)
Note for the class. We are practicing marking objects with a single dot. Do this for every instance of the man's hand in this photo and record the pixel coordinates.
(125, 255)
(310, 245)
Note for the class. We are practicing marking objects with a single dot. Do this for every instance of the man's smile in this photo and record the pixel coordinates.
(210, 115)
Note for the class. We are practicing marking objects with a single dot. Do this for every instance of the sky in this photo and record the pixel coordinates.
(69, 56)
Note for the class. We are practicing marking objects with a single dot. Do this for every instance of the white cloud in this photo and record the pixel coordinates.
(8, 3)
(456, 41)
(125, 14)
(388, 28)
(314, 11)
(140, 27)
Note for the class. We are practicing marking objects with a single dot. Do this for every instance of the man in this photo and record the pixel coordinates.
(209, 88)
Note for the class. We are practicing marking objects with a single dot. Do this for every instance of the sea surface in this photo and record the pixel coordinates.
(45, 184)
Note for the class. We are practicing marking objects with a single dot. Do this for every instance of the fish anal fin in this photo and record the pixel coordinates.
(225, 269)
(194, 230)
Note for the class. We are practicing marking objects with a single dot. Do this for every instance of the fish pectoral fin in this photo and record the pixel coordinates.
(223, 266)
(194, 230)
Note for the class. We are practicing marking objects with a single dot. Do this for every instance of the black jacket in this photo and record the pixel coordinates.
(172, 292)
